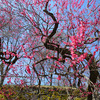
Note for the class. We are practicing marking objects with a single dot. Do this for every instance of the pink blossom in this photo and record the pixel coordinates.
(11, 66)
(48, 57)
(9, 80)
(17, 0)
(22, 82)
(28, 69)
(86, 67)
(59, 77)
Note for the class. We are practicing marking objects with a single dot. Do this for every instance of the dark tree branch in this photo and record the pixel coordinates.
(55, 27)
(38, 78)
(11, 59)
(46, 5)
(63, 51)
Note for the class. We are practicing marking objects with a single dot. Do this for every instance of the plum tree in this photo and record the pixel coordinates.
(58, 37)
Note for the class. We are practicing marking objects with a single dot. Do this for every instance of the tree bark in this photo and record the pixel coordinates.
(93, 69)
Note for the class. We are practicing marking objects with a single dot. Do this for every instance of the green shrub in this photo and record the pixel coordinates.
(2, 97)
(28, 93)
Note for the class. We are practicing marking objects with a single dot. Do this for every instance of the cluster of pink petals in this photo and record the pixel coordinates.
(28, 69)
(59, 77)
